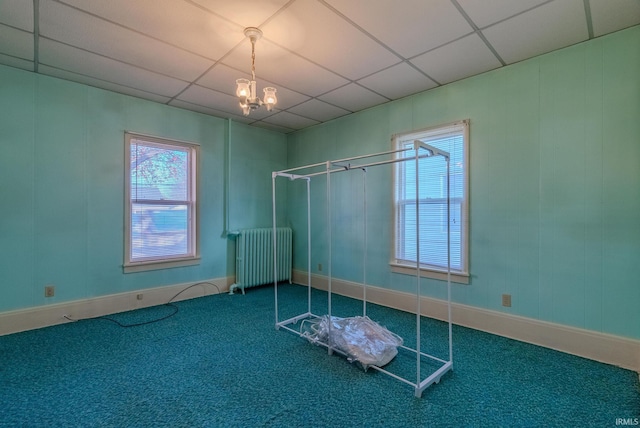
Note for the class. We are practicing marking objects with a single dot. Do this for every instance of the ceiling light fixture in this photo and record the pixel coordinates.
(246, 89)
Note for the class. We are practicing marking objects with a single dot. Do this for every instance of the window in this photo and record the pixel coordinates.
(160, 203)
(454, 139)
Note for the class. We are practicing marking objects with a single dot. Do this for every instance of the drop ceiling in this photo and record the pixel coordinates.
(327, 58)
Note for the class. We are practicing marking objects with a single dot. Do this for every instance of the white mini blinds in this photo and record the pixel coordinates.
(452, 138)
(160, 202)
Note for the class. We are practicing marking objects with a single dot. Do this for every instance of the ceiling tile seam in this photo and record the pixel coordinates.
(175, 98)
(277, 12)
(116, 60)
(221, 113)
(22, 30)
(232, 92)
(371, 90)
(327, 102)
(35, 44)
(442, 45)
(347, 84)
(212, 108)
(120, 25)
(194, 83)
(100, 80)
(412, 65)
(375, 39)
(587, 12)
(271, 124)
(477, 31)
(406, 61)
(314, 63)
(296, 114)
(224, 18)
(36, 35)
(359, 28)
(219, 61)
(206, 9)
(512, 16)
(6, 55)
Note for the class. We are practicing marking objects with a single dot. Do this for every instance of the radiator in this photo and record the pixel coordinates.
(254, 257)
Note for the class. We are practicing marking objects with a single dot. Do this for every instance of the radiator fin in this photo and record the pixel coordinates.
(254, 257)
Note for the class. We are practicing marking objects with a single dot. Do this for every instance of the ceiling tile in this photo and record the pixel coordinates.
(218, 101)
(318, 110)
(179, 23)
(286, 97)
(96, 83)
(410, 27)
(78, 61)
(612, 15)
(206, 110)
(72, 27)
(353, 97)
(487, 12)
(315, 32)
(223, 79)
(325, 57)
(12, 61)
(290, 120)
(283, 68)
(17, 13)
(546, 28)
(205, 97)
(457, 60)
(272, 127)
(16, 43)
(398, 81)
(247, 13)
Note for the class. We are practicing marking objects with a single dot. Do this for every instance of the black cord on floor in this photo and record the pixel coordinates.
(168, 304)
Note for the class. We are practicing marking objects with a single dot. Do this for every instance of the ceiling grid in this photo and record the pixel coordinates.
(327, 58)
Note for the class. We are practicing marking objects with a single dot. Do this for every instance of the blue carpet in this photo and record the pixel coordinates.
(219, 362)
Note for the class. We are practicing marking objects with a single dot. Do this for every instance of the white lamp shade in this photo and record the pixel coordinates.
(270, 98)
(242, 90)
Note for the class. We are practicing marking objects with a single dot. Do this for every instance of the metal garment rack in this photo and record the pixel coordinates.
(421, 150)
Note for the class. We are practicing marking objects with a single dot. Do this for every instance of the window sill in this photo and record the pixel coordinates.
(456, 276)
(155, 265)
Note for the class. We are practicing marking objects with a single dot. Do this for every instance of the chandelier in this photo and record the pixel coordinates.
(246, 89)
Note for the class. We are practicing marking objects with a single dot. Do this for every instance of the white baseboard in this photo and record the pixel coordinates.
(606, 348)
(44, 316)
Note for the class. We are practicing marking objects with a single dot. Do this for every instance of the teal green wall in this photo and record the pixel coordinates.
(554, 186)
(62, 180)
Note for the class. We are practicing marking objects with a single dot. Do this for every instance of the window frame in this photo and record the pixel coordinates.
(429, 271)
(193, 257)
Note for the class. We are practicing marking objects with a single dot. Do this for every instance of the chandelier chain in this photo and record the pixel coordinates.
(253, 59)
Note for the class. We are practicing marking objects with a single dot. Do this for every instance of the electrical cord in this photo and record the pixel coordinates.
(168, 304)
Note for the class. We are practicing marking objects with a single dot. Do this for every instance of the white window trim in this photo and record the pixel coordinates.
(401, 267)
(146, 265)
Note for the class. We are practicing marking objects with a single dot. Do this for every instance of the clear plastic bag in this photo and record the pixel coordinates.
(359, 338)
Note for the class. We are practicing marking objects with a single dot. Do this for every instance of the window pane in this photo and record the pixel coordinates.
(157, 173)
(432, 199)
(159, 231)
(433, 234)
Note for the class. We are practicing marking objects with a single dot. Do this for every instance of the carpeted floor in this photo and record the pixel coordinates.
(220, 362)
